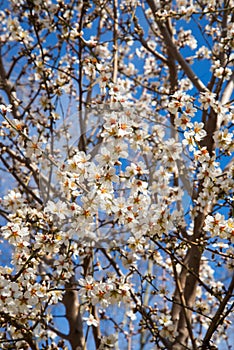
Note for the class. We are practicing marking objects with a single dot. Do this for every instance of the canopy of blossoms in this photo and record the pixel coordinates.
(116, 142)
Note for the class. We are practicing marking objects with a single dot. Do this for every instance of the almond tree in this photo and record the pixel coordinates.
(116, 174)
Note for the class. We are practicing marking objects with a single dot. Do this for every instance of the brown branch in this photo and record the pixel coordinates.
(20, 181)
(21, 160)
(148, 48)
(218, 315)
(115, 41)
(22, 270)
(96, 330)
(184, 266)
(184, 308)
(82, 141)
(26, 332)
(73, 315)
(174, 51)
(6, 86)
(226, 95)
(56, 331)
(188, 283)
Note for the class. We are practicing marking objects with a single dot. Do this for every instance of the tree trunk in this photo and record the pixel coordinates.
(71, 303)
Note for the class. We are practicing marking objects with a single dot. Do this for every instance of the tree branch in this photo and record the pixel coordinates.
(174, 51)
(9, 89)
(218, 315)
(73, 315)
(183, 306)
